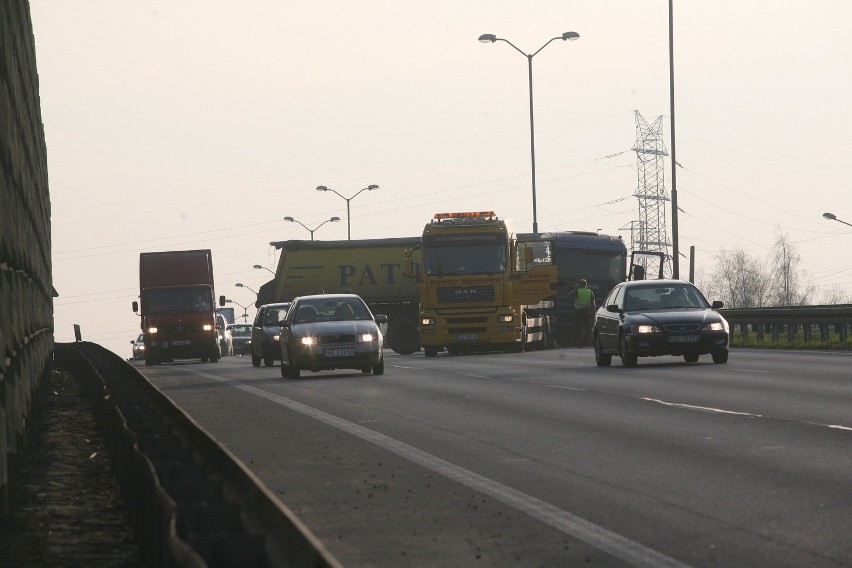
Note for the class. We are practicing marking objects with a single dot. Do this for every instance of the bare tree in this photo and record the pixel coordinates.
(835, 295)
(741, 281)
(789, 287)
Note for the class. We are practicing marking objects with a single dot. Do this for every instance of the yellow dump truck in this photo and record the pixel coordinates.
(480, 289)
(371, 268)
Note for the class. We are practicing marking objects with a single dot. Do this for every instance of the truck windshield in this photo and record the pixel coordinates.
(179, 300)
(603, 268)
(464, 254)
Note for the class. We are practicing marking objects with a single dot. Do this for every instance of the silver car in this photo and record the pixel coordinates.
(331, 331)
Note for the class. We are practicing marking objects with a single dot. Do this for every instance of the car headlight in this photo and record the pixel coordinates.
(275, 338)
(152, 330)
(715, 326)
(427, 321)
(207, 327)
(505, 318)
(647, 329)
(308, 341)
(366, 337)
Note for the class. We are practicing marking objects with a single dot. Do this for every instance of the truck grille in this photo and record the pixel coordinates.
(181, 328)
(466, 320)
(450, 294)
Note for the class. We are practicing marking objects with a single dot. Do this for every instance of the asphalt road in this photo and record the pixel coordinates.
(544, 459)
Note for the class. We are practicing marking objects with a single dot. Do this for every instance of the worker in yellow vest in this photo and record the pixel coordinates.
(584, 312)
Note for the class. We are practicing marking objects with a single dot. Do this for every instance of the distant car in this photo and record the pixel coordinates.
(139, 347)
(226, 344)
(648, 318)
(265, 331)
(331, 331)
(241, 337)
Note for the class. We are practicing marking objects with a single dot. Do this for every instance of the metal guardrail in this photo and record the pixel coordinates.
(813, 321)
(191, 503)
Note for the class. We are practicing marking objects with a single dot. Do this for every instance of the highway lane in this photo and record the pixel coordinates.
(543, 459)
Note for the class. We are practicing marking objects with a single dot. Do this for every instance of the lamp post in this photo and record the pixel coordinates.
(259, 267)
(245, 309)
(331, 220)
(491, 38)
(347, 199)
(833, 217)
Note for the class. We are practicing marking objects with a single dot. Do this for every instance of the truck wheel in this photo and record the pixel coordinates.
(255, 360)
(403, 336)
(268, 362)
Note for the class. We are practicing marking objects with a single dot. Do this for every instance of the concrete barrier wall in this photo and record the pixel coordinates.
(26, 287)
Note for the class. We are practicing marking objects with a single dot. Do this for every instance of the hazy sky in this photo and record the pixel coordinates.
(202, 124)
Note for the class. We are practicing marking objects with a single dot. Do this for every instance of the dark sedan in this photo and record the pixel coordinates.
(648, 318)
(331, 331)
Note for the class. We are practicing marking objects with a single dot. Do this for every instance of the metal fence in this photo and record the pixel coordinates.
(815, 322)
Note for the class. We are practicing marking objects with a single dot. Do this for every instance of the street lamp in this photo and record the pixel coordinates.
(241, 285)
(491, 38)
(259, 267)
(833, 217)
(245, 309)
(348, 199)
(331, 220)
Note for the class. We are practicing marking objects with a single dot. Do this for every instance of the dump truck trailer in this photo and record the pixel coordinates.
(371, 268)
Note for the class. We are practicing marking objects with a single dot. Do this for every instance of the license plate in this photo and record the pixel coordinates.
(683, 339)
(467, 336)
(181, 342)
(339, 352)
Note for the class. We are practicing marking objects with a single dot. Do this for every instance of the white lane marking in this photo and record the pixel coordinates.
(722, 411)
(607, 541)
(749, 371)
(701, 408)
(478, 376)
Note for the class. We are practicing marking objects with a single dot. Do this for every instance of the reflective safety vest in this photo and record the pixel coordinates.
(584, 299)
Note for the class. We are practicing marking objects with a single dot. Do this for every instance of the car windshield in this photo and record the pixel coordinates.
(274, 316)
(331, 310)
(654, 297)
(240, 329)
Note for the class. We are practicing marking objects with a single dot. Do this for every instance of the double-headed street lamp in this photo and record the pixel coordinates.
(491, 38)
(347, 199)
(245, 309)
(331, 220)
(833, 217)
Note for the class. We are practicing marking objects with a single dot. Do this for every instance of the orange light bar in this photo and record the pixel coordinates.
(466, 214)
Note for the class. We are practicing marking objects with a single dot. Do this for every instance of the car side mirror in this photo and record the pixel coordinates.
(718, 304)
(613, 308)
(381, 318)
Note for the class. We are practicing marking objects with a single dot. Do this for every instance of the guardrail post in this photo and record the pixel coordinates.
(840, 329)
(807, 331)
(791, 332)
(744, 330)
(776, 332)
(761, 331)
(823, 331)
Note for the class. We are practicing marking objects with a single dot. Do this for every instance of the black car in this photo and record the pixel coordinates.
(331, 331)
(648, 318)
(265, 331)
(241, 338)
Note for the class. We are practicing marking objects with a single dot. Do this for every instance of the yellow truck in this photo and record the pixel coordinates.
(480, 289)
(371, 268)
